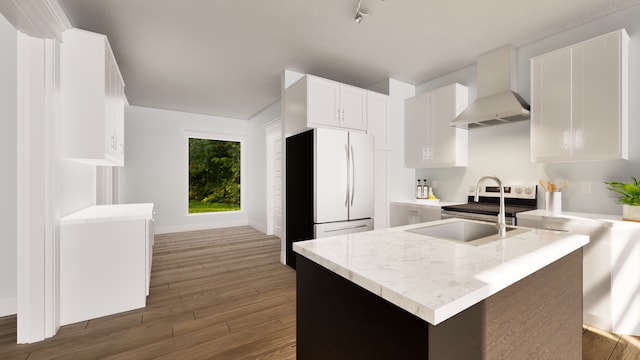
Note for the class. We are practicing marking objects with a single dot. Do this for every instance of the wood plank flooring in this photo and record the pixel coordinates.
(216, 294)
(602, 345)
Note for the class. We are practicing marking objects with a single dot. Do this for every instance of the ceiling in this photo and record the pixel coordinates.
(226, 57)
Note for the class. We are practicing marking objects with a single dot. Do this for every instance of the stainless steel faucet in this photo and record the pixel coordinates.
(502, 226)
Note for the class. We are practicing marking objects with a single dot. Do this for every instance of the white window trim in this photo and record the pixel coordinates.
(243, 168)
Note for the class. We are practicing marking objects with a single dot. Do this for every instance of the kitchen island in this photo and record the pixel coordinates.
(398, 294)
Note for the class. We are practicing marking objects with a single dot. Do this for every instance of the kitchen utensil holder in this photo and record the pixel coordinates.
(553, 202)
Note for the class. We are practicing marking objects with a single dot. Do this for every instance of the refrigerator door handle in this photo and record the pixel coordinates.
(353, 175)
(347, 228)
(346, 200)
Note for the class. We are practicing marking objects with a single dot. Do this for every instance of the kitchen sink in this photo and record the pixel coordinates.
(462, 230)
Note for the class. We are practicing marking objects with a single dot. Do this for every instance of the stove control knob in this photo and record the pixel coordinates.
(528, 191)
(518, 190)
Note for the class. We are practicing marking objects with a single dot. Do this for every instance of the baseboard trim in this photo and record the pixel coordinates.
(258, 226)
(597, 321)
(200, 226)
(8, 306)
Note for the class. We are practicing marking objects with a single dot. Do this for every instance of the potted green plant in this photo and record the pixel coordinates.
(628, 196)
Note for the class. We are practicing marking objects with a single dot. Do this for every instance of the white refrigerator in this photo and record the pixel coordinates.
(329, 185)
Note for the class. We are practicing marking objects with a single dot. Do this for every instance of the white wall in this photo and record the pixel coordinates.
(504, 150)
(156, 165)
(76, 186)
(8, 150)
(257, 195)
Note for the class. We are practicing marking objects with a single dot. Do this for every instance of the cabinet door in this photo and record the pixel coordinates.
(430, 213)
(90, 99)
(429, 139)
(442, 136)
(120, 124)
(378, 115)
(323, 100)
(399, 215)
(361, 177)
(118, 116)
(102, 269)
(110, 141)
(551, 133)
(596, 99)
(381, 181)
(353, 103)
(415, 131)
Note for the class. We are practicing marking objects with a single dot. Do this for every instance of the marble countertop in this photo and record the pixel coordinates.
(99, 213)
(433, 278)
(421, 202)
(579, 217)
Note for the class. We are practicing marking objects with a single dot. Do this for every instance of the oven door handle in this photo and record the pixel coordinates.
(457, 215)
(446, 214)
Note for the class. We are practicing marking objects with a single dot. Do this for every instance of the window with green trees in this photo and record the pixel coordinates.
(214, 175)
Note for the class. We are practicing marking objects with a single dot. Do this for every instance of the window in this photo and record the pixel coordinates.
(214, 174)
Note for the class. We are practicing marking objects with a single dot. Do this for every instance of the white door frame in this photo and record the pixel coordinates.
(272, 133)
(40, 25)
(38, 231)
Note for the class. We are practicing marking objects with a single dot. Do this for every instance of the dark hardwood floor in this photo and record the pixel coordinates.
(216, 294)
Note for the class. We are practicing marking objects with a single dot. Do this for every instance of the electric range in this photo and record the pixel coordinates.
(517, 198)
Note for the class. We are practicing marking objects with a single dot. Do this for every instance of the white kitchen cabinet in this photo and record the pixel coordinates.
(579, 101)
(313, 102)
(610, 266)
(378, 119)
(381, 188)
(92, 100)
(378, 115)
(429, 140)
(413, 213)
(105, 260)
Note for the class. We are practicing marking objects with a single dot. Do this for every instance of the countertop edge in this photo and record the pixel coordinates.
(105, 213)
(426, 204)
(495, 279)
(603, 219)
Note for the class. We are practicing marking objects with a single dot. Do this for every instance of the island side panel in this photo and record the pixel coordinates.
(337, 319)
(539, 317)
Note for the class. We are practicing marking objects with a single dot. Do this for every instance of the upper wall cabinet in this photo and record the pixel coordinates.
(378, 119)
(579, 101)
(313, 102)
(429, 140)
(92, 100)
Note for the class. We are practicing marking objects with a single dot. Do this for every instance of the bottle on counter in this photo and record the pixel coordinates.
(425, 189)
(419, 190)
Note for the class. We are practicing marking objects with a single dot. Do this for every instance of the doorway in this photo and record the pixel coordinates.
(273, 133)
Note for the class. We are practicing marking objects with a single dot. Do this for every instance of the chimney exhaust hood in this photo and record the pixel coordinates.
(497, 102)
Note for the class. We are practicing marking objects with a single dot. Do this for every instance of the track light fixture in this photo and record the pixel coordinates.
(360, 14)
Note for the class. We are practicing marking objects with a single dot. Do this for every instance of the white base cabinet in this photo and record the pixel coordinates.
(610, 266)
(105, 261)
(579, 105)
(407, 213)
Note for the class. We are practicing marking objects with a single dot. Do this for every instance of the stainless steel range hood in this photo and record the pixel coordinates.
(497, 102)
